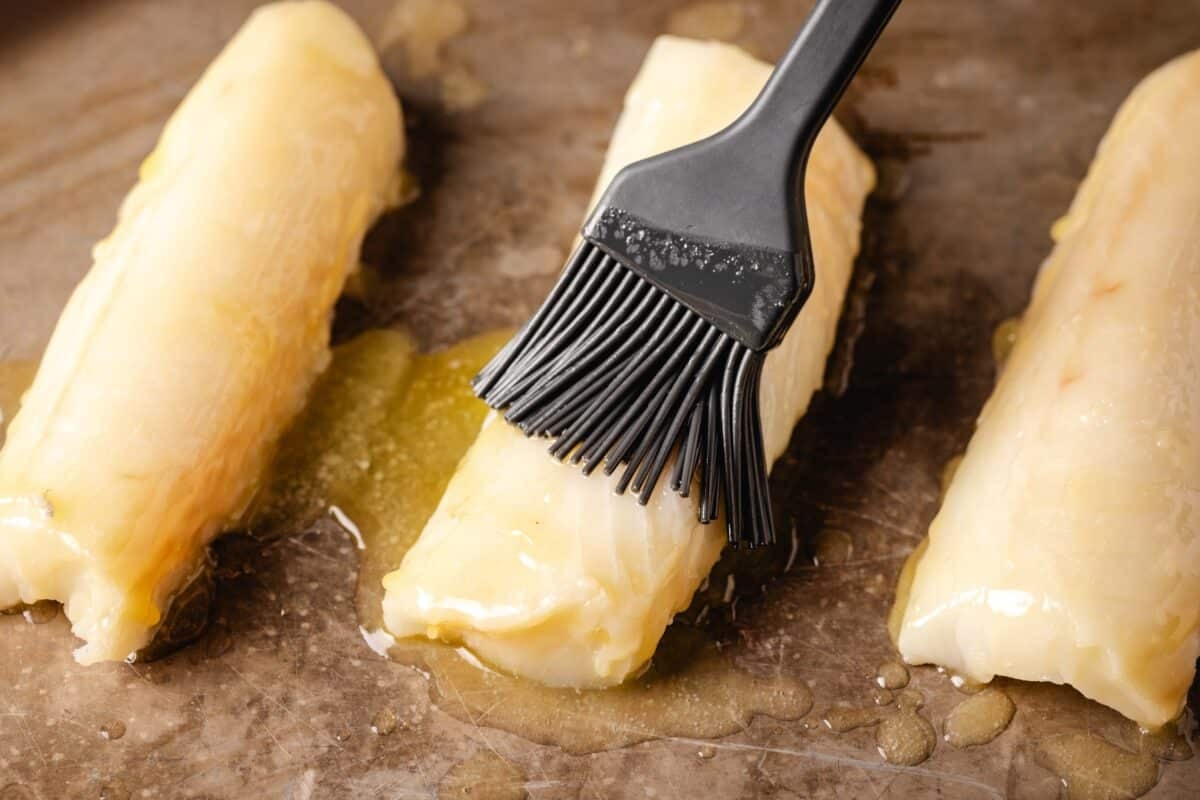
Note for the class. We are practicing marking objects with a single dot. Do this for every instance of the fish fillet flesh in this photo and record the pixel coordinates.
(546, 573)
(194, 338)
(1068, 545)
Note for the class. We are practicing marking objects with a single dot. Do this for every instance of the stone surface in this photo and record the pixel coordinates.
(982, 116)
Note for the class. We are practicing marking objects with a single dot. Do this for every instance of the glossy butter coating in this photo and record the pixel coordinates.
(194, 338)
(546, 573)
(1068, 545)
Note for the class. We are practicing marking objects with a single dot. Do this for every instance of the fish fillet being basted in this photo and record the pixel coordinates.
(1068, 545)
(546, 573)
(194, 338)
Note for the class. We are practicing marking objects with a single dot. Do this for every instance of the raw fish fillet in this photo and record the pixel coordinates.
(1068, 545)
(546, 573)
(193, 340)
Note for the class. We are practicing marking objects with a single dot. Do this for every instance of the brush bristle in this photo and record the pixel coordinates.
(622, 376)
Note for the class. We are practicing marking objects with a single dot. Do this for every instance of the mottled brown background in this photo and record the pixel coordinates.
(982, 115)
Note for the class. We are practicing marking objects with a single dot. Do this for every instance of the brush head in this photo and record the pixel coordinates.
(694, 264)
(622, 376)
(720, 228)
(747, 291)
(651, 345)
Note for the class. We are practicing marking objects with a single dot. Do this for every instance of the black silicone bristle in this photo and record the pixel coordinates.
(694, 264)
(621, 376)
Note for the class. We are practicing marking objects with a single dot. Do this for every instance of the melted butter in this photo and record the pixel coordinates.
(842, 720)
(708, 20)
(422, 28)
(1168, 743)
(906, 737)
(462, 90)
(111, 731)
(379, 440)
(328, 451)
(979, 719)
(483, 776)
(1004, 339)
(903, 587)
(385, 722)
(891, 675)
(1093, 769)
(691, 690)
(895, 618)
(15, 378)
(965, 685)
(948, 473)
(902, 735)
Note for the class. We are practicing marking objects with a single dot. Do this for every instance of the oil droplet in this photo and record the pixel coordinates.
(316, 463)
(910, 699)
(882, 697)
(706, 752)
(461, 90)
(112, 730)
(1093, 769)
(708, 20)
(895, 618)
(422, 28)
(832, 546)
(842, 719)
(1168, 743)
(948, 473)
(15, 378)
(891, 675)
(979, 719)
(692, 689)
(1165, 744)
(966, 685)
(1004, 339)
(483, 776)
(905, 738)
(384, 723)
(411, 417)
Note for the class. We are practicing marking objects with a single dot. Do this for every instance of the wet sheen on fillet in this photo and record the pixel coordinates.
(1068, 545)
(193, 340)
(544, 572)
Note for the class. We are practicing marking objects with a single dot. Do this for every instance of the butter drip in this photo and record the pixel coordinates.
(379, 441)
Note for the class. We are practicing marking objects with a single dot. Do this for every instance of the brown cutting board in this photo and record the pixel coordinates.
(982, 116)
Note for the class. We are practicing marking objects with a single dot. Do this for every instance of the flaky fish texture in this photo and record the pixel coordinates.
(194, 338)
(1068, 545)
(544, 572)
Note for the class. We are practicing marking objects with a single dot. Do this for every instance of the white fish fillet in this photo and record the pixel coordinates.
(544, 572)
(1068, 545)
(194, 338)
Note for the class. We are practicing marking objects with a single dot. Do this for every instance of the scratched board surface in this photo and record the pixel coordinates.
(982, 117)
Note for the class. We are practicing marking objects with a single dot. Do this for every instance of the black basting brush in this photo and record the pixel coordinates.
(693, 265)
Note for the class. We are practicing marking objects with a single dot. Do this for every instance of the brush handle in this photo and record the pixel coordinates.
(720, 224)
(791, 109)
